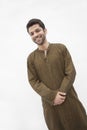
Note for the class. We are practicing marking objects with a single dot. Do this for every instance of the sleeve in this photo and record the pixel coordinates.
(69, 73)
(46, 93)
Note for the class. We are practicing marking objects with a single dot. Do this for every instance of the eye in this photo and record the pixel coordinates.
(31, 34)
(38, 30)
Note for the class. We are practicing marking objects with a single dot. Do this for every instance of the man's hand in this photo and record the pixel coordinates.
(60, 98)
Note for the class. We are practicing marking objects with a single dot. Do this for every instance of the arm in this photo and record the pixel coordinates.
(70, 72)
(68, 79)
(37, 85)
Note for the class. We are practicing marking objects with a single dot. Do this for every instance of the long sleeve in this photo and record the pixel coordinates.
(69, 73)
(37, 85)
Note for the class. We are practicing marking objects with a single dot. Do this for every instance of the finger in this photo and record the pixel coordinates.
(62, 97)
(62, 93)
(62, 100)
(58, 103)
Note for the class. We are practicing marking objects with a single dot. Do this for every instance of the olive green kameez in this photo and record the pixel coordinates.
(49, 73)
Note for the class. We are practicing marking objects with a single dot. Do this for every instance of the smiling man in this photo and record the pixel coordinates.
(37, 34)
(51, 74)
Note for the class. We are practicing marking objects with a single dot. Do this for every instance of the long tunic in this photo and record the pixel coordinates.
(50, 72)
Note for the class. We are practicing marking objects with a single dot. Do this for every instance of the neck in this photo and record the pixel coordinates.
(44, 46)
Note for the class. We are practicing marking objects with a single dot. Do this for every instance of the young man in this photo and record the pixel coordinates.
(51, 74)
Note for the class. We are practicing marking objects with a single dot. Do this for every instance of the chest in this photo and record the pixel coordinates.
(51, 59)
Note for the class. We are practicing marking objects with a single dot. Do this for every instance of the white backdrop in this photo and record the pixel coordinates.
(66, 22)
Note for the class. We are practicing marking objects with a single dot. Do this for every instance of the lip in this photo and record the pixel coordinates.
(38, 39)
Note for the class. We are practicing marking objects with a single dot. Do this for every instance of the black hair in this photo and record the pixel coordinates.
(35, 21)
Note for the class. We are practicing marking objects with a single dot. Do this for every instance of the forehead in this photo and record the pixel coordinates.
(34, 27)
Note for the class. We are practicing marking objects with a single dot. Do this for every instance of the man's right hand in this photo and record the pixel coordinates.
(60, 98)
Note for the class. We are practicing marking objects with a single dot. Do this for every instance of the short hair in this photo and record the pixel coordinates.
(35, 21)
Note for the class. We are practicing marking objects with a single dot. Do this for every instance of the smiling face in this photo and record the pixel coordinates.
(38, 34)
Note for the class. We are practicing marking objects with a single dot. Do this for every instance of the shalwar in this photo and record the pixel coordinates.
(51, 71)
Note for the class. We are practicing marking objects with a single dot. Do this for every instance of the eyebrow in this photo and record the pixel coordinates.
(37, 29)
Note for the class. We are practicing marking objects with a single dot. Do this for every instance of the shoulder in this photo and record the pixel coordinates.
(59, 46)
(31, 56)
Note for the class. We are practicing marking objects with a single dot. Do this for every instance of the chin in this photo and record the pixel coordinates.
(41, 43)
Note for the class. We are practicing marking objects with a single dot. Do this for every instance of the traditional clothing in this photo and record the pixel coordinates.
(52, 71)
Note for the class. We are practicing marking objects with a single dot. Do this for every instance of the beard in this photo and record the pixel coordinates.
(39, 40)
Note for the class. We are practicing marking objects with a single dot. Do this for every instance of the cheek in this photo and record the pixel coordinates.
(32, 38)
(42, 34)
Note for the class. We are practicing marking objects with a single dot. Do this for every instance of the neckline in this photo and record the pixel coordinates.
(45, 49)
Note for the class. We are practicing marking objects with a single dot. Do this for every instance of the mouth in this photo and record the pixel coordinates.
(38, 39)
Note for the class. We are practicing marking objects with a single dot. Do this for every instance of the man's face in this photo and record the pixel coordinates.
(37, 34)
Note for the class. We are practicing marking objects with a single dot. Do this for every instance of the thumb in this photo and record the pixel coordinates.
(62, 93)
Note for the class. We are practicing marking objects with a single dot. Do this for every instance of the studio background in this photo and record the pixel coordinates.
(66, 22)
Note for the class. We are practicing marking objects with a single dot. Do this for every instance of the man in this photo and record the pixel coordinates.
(51, 74)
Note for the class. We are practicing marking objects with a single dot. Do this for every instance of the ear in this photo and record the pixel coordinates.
(45, 30)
